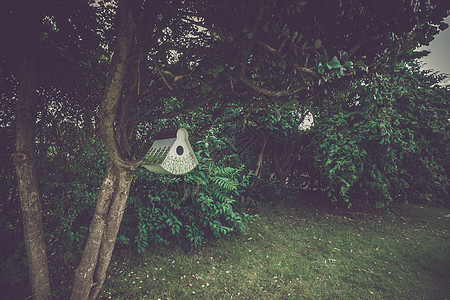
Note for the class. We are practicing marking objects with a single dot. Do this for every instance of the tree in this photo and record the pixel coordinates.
(22, 56)
(266, 66)
(25, 161)
(384, 139)
(171, 58)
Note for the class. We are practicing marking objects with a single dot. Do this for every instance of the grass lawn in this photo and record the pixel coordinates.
(296, 251)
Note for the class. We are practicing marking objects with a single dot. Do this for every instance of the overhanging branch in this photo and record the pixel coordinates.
(268, 92)
(174, 113)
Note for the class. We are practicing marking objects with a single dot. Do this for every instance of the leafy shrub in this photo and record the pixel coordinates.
(386, 141)
(187, 209)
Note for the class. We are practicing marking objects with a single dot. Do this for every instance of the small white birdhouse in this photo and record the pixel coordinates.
(171, 153)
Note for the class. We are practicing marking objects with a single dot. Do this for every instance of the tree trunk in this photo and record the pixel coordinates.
(25, 164)
(91, 272)
(284, 157)
(85, 271)
(115, 215)
(261, 156)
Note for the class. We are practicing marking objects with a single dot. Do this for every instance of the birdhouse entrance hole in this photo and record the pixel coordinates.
(180, 150)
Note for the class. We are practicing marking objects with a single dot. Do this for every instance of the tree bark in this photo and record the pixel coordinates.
(114, 219)
(284, 156)
(25, 164)
(91, 272)
(261, 156)
(85, 271)
(115, 85)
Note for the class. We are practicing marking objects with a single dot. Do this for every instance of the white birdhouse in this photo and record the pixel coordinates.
(171, 153)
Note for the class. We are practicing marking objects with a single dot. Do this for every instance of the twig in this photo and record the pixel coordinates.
(139, 73)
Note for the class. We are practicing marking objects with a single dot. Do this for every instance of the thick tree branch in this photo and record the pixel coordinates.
(113, 91)
(261, 156)
(161, 74)
(244, 63)
(271, 93)
(113, 218)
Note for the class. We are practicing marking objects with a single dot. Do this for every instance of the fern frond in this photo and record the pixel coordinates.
(226, 183)
(225, 171)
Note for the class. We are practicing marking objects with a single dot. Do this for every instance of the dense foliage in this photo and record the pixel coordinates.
(386, 139)
(221, 70)
(185, 210)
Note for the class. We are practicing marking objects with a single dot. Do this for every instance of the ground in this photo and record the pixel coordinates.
(301, 251)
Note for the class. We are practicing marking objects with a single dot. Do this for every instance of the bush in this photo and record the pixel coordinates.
(386, 141)
(184, 210)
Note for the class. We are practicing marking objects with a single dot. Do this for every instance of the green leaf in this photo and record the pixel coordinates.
(360, 64)
(344, 190)
(334, 63)
(305, 45)
(321, 69)
(294, 36)
(348, 64)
